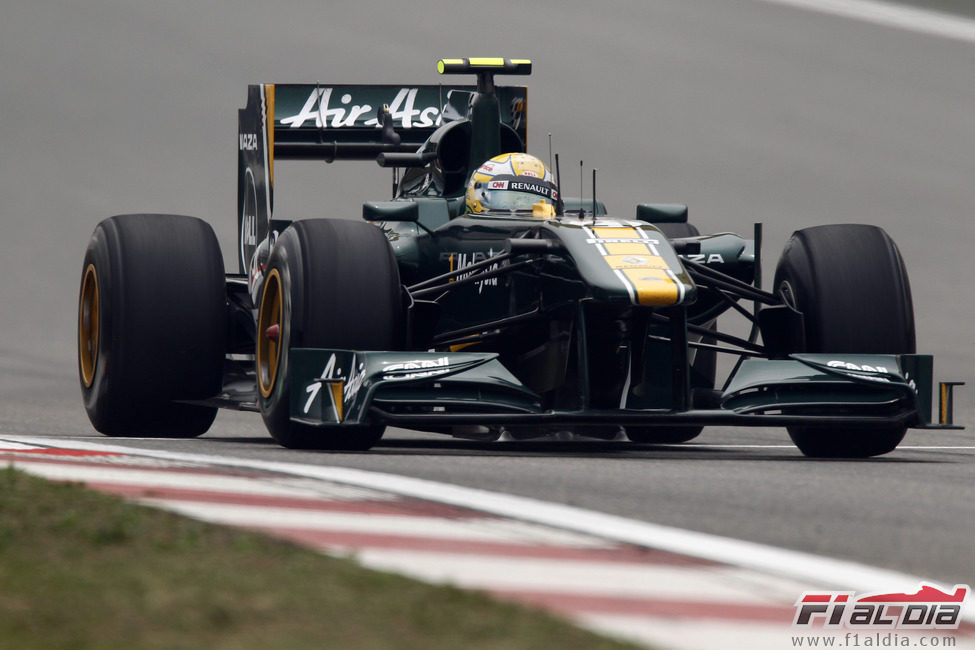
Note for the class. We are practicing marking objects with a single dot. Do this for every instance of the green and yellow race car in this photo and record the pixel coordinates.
(478, 301)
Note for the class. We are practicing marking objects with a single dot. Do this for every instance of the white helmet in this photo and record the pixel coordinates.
(513, 183)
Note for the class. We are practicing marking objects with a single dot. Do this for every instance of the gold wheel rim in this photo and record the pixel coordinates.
(269, 350)
(88, 323)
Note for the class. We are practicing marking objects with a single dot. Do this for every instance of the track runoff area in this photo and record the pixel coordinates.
(644, 582)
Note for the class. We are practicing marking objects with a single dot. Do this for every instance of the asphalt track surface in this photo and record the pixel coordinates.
(745, 110)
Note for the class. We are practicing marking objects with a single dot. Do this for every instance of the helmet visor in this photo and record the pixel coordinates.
(508, 200)
(516, 194)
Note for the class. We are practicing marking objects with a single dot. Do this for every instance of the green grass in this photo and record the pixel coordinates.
(79, 569)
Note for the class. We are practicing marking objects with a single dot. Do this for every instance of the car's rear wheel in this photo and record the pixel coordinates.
(851, 286)
(151, 325)
(329, 284)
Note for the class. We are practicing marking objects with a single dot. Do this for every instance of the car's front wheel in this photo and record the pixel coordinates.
(329, 284)
(851, 286)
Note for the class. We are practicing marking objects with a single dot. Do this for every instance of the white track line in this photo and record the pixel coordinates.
(816, 571)
(705, 445)
(594, 578)
(923, 21)
(109, 474)
(935, 448)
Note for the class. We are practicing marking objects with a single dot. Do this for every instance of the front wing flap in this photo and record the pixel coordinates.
(340, 386)
(866, 383)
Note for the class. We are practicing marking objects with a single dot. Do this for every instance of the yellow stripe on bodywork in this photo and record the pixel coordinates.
(619, 248)
(443, 63)
(616, 233)
(643, 261)
(653, 286)
(943, 403)
(637, 264)
(337, 391)
(485, 61)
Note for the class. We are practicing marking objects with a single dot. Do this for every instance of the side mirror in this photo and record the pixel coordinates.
(662, 212)
(391, 211)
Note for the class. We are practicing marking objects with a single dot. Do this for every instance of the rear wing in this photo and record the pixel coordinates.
(340, 122)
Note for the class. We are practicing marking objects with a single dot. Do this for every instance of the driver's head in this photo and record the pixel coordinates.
(513, 184)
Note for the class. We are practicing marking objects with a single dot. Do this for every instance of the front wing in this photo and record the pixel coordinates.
(443, 389)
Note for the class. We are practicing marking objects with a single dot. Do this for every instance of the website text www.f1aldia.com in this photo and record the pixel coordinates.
(873, 640)
(919, 618)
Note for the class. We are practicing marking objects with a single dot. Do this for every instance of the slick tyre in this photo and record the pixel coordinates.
(851, 286)
(702, 370)
(151, 325)
(329, 284)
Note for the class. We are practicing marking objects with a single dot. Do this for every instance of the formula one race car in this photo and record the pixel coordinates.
(480, 302)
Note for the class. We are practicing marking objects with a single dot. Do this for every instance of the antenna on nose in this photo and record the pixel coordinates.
(582, 191)
(594, 195)
(559, 205)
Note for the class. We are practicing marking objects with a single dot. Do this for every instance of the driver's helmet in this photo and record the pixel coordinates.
(513, 183)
